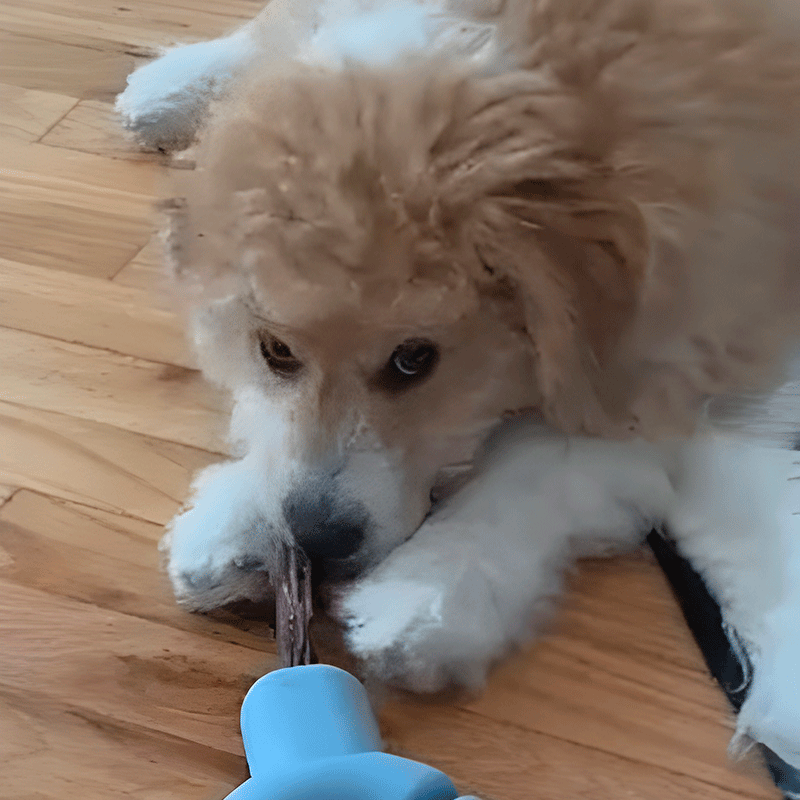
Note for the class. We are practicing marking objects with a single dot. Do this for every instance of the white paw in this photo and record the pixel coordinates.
(771, 713)
(423, 634)
(166, 100)
(211, 567)
(219, 549)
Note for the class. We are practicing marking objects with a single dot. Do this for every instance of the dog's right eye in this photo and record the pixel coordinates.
(278, 356)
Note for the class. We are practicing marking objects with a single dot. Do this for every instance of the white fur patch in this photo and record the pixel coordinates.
(165, 100)
(376, 37)
(380, 612)
(771, 713)
(390, 31)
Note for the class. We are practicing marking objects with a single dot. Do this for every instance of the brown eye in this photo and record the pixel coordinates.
(278, 356)
(414, 358)
(410, 363)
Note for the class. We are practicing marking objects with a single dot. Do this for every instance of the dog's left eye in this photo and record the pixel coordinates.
(278, 355)
(411, 362)
(415, 357)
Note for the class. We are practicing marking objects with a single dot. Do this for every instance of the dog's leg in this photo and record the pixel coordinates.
(166, 101)
(476, 577)
(737, 521)
(217, 550)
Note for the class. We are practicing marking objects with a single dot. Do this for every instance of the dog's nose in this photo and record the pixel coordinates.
(323, 528)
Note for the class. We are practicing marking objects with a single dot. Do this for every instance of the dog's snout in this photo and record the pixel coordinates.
(324, 529)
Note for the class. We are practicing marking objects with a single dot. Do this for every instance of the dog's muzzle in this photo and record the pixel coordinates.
(325, 527)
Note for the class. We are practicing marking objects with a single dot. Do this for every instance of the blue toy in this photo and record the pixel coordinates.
(309, 734)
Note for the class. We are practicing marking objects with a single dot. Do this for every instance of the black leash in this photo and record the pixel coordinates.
(703, 616)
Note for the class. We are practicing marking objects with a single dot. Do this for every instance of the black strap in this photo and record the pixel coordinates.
(723, 659)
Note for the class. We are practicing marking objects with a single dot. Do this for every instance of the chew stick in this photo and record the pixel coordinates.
(293, 606)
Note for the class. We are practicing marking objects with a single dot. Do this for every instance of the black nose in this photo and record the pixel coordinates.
(324, 528)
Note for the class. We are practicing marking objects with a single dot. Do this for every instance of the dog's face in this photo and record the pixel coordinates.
(381, 300)
(354, 427)
(389, 261)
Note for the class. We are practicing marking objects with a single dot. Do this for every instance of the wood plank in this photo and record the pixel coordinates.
(61, 237)
(28, 114)
(50, 222)
(622, 676)
(108, 561)
(159, 400)
(94, 464)
(49, 744)
(6, 493)
(90, 311)
(66, 25)
(143, 24)
(51, 65)
(130, 670)
(145, 270)
(506, 762)
(134, 185)
(60, 752)
(92, 126)
(77, 194)
(158, 679)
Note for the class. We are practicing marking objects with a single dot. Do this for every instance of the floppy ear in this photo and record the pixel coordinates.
(529, 169)
(579, 263)
(642, 302)
(637, 178)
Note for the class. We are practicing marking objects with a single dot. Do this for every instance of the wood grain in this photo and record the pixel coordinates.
(107, 687)
(505, 762)
(85, 310)
(160, 400)
(293, 607)
(28, 114)
(131, 670)
(85, 176)
(146, 24)
(602, 682)
(92, 127)
(31, 61)
(104, 559)
(144, 271)
(94, 464)
(47, 740)
(54, 223)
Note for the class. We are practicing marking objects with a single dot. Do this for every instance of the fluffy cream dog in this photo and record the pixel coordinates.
(490, 286)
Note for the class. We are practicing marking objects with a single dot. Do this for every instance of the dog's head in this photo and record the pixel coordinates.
(385, 262)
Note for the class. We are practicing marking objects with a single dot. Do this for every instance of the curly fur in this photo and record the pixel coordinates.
(629, 167)
(591, 207)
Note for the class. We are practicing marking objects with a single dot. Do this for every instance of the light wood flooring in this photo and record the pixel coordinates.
(107, 689)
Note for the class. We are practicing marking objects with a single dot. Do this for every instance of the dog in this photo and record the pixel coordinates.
(492, 286)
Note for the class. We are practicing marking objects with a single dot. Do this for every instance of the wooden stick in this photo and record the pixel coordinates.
(293, 607)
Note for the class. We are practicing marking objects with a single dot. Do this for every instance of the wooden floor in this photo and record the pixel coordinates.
(106, 688)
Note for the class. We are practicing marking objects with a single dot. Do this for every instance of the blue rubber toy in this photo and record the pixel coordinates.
(309, 734)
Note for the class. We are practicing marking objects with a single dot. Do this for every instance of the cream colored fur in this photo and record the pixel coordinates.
(591, 208)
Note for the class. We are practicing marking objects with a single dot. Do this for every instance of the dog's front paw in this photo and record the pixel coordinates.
(423, 635)
(771, 712)
(166, 101)
(212, 565)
